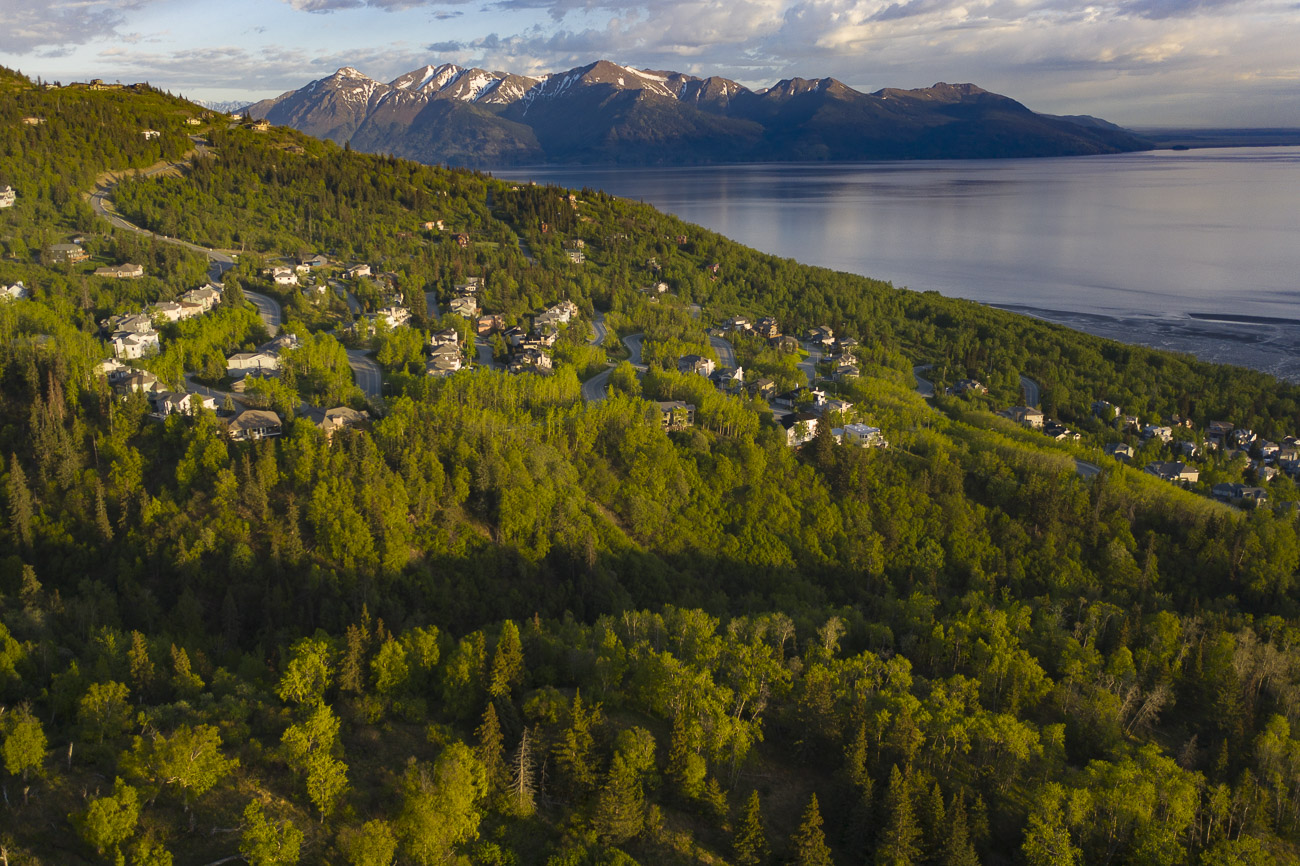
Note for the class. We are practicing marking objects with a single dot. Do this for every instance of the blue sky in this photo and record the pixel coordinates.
(1136, 62)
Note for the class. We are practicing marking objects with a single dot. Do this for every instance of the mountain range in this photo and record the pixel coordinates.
(606, 113)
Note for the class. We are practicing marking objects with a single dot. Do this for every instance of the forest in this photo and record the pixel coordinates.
(506, 625)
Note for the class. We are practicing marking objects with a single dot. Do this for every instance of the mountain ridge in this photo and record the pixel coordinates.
(604, 112)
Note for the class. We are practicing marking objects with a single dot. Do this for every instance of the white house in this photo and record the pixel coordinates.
(243, 363)
(150, 134)
(800, 427)
(283, 276)
(7, 196)
(125, 271)
(133, 344)
(864, 436)
(393, 316)
(16, 292)
(205, 297)
(254, 424)
(464, 306)
(357, 271)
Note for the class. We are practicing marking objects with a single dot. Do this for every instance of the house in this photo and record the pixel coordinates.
(1267, 449)
(1026, 415)
(845, 370)
(1173, 471)
(393, 316)
(1060, 432)
(330, 421)
(279, 345)
(823, 336)
(140, 380)
(69, 254)
(469, 287)
(113, 370)
(830, 405)
(969, 386)
(318, 260)
(1218, 431)
(577, 257)
(1120, 451)
(33, 121)
(356, 272)
(1189, 449)
(252, 424)
(7, 196)
(431, 225)
(845, 344)
(242, 364)
(1240, 494)
(282, 276)
(515, 336)
(464, 306)
(443, 359)
(695, 364)
(576, 244)
(676, 415)
(864, 436)
(260, 125)
(1242, 437)
(133, 344)
(126, 271)
(737, 323)
(167, 403)
(787, 343)
(205, 297)
(800, 427)
(531, 359)
(489, 323)
(449, 337)
(16, 292)
(559, 314)
(150, 134)
(193, 121)
(1105, 410)
(1156, 431)
(540, 339)
(169, 311)
(767, 328)
(791, 399)
(730, 380)
(137, 322)
(462, 240)
(763, 388)
(655, 289)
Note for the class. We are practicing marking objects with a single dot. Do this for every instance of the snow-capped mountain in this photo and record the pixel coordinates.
(606, 112)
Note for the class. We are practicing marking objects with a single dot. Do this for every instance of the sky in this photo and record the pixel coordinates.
(1141, 63)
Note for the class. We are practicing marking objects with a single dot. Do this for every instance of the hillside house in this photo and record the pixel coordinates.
(530, 359)
(393, 317)
(137, 322)
(695, 364)
(282, 276)
(969, 386)
(126, 271)
(7, 196)
(449, 337)
(170, 311)
(132, 344)
(676, 415)
(863, 436)
(141, 381)
(165, 403)
(113, 370)
(800, 428)
(1240, 494)
(464, 306)
(206, 297)
(1120, 451)
(1026, 415)
(845, 370)
(242, 364)
(489, 323)
(16, 292)
(1105, 410)
(577, 257)
(253, 424)
(767, 328)
(1173, 471)
(67, 254)
(331, 421)
(443, 360)
(1158, 431)
(356, 272)
(729, 380)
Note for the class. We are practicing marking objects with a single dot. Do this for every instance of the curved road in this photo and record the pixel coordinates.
(597, 387)
(809, 366)
(268, 308)
(366, 372)
(726, 356)
(1031, 391)
(924, 387)
(598, 326)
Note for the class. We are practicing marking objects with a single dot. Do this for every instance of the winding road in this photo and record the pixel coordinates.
(1032, 391)
(597, 387)
(598, 327)
(367, 373)
(924, 387)
(268, 308)
(726, 355)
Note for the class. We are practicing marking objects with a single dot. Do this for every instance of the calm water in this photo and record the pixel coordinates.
(1153, 247)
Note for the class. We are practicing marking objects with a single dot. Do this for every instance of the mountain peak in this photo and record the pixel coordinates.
(349, 72)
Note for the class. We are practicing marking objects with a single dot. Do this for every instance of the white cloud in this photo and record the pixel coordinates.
(26, 27)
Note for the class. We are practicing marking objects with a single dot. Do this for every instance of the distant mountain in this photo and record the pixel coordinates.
(224, 107)
(606, 113)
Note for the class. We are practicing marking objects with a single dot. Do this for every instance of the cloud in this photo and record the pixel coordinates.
(325, 6)
(28, 27)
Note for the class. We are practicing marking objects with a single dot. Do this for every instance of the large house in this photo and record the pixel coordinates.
(135, 344)
(559, 314)
(126, 271)
(205, 297)
(330, 421)
(695, 364)
(240, 365)
(800, 427)
(1173, 471)
(16, 292)
(283, 276)
(67, 254)
(676, 415)
(864, 436)
(1026, 415)
(7, 196)
(254, 424)
(179, 403)
(464, 306)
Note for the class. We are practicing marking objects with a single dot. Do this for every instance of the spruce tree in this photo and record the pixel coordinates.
(898, 842)
(491, 749)
(958, 849)
(750, 841)
(507, 662)
(809, 840)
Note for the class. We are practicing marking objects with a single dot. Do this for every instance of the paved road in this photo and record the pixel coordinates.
(485, 359)
(809, 366)
(598, 326)
(596, 388)
(924, 387)
(431, 302)
(726, 357)
(1086, 469)
(268, 308)
(366, 372)
(633, 343)
(354, 306)
(1031, 390)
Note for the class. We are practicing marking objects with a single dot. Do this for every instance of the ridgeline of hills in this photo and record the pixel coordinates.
(607, 113)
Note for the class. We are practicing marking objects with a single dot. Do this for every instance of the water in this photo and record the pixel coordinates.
(1191, 250)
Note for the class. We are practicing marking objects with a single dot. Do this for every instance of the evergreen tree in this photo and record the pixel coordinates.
(901, 835)
(620, 806)
(958, 849)
(507, 662)
(809, 840)
(750, 842)
(20, 502)
(491, 749)
(574, 753)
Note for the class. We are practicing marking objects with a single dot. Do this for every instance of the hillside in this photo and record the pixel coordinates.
(606, 113)
(523, 613)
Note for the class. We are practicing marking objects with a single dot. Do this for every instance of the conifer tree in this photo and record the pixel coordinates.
(750, 842)
(491, 749)
(900, 837)
(810, 840)
(20, 502)
(507, 662)
(958, 849)
(574, 753)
